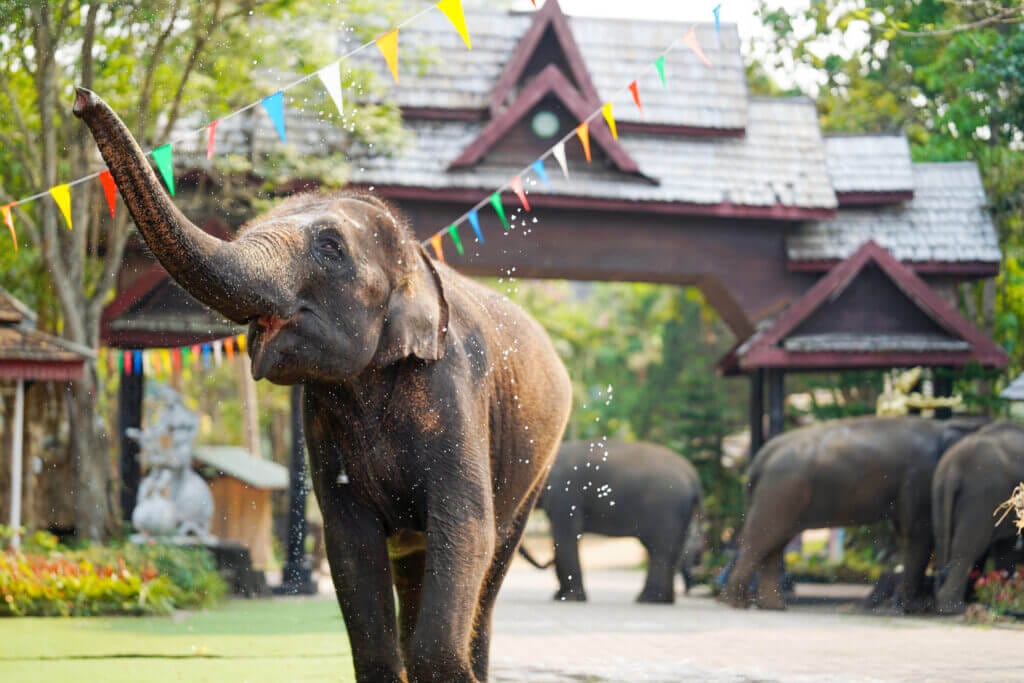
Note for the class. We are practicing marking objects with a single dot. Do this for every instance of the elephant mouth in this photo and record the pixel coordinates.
(265, 329)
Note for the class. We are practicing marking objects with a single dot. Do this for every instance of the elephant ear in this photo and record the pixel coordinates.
(416, 318)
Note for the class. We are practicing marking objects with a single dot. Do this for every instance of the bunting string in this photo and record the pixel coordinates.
(170, 362)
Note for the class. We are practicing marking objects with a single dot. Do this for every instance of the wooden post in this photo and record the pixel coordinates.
(776, 402)
(18, 441)
(250, 407)
(129, 414)
(756, 411)
(295, 577)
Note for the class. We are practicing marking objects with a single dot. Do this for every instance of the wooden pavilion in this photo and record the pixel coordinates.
(707, 186)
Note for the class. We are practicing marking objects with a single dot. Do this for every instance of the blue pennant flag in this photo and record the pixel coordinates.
(137, 362)
(275, 108)
(718, 24)
(538, 168)
(206, 355)
(474, 220)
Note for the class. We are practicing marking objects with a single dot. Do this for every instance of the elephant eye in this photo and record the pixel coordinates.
(329, 246)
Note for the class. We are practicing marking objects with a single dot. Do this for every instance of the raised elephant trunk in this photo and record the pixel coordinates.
(218, 273)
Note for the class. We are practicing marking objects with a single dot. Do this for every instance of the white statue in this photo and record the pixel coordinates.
(173, 500)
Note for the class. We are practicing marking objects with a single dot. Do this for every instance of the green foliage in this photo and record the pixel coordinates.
(47, 579)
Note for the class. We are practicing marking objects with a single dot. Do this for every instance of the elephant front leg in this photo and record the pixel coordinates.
(358, 557)
(459, 551)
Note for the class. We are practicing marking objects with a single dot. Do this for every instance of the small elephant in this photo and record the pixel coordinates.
(971, 481)
(616, 488)
(842, 473)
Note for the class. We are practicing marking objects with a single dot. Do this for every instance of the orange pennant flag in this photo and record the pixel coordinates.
(453, 10)
(62, 196)
(635, 90)
(388, 46)
(9, 222)
(691, 42)
(435, 242)
(109, 190)
(607, 111)
(229, 347)
(517, 186)
(583, 131)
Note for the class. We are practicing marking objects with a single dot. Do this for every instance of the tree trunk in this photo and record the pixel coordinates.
(94, 509)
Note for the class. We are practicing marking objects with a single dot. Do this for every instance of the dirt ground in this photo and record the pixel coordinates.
(825, 638)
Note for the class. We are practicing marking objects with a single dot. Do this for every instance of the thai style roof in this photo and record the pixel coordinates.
(239, 463)
(28, 354)
(946, 222)
(838, 324)
(869, 169)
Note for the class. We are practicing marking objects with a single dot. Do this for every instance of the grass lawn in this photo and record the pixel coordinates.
(284, 639)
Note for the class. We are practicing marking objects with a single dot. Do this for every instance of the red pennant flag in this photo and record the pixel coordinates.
(128, 359)
(196, 355)
(691, 42)
(176, 360)
(9, 222)
(517, 186)
(583, 131)
(435, 242)
(211, 139)
(109, 190)
(635, 90)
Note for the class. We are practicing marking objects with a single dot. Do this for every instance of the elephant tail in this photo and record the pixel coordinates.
(943, 500)
(529, 558)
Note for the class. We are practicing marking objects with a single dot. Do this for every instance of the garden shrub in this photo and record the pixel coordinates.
(1001, 592)
(47, 579)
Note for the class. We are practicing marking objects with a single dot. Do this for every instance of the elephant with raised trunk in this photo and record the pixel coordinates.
(848, 472)
(442, 401)
(971, 481)
(616, 488)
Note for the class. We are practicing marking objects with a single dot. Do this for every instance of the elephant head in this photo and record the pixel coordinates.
(329, 285)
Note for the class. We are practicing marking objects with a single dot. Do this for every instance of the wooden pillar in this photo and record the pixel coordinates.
(129, 414)
(295, 577)
(17, 443)
(942, 386)
(250, 407)
(756, 411)
(776, 402)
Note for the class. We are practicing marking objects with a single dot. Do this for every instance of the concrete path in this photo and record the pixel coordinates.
(611, 639)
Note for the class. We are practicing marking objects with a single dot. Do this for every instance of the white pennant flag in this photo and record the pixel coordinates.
(558, 151)
(218, 350)
(331, 77)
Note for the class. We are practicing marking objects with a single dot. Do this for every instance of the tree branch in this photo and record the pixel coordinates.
(200, 33)
(156, 54)
(1007, 15)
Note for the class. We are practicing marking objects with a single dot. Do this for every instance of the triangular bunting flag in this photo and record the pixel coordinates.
(186, 356)
(538, 168)
(137, 361)
(126, 362)
(534, 3)
(606, 110)
(718, 20)
(659, 64)
(218, 352)
(499, 209)
(229, 347)
(211, 139)
(388, 46)
(634, 89)
(516, 184)
(330, 76)
(583, 132)
(241, 343)
(474, 220)
(558, 151)
(176, 360)
(9, 222)
(435, 242)
(691, 42)
(62, 195)
(453, 10)
(109, 190)
(120, 361)
(274, 104)
(453, 231)
(196, 355)
(164, 159)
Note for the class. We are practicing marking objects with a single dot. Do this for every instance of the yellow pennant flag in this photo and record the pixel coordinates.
(607, 111)
(9, 222)
(62, 195)
(388, 46)
(453, 10)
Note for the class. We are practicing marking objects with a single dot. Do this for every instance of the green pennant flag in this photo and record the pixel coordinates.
(659, 64)
(165, 164)
(499, 209)
(453, 230)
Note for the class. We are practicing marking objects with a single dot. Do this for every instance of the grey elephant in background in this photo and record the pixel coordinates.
(972, 479)
(842, 473)
(615, 488)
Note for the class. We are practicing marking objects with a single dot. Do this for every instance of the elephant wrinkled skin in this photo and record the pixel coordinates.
(972, 479)
(442, 401)
(641, 490)
(842, 473)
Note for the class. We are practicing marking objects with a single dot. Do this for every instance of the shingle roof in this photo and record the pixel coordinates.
(13, 311)
(869, 163)
(1014, 392)
(779, 161)
(947, 221)
(614, 50)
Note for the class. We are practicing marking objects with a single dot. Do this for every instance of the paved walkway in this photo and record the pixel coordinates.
(611, 640)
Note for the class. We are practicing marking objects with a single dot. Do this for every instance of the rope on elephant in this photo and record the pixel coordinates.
(1015, 504)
